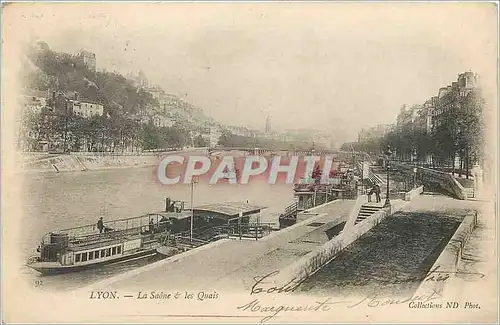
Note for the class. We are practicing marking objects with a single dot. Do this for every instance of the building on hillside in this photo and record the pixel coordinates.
(138, 79)
(89, 59)
(84, 107)
(215, 135)
(156, 92)
(468, 80)
(87, 108)
(33, 100)
(141, 118)
(162, 121)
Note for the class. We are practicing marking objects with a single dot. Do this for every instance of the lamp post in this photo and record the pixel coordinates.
(415, 167)
(193, 181)
(388, 154)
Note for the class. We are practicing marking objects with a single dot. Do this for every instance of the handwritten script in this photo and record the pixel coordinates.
(266, 285)
(324, 305)
(263, 285)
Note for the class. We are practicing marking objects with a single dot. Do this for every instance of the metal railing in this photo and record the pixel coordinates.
(113, 230)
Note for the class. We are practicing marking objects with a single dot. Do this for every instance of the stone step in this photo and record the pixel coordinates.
(370, 208)
(367, 211)
(359, 219)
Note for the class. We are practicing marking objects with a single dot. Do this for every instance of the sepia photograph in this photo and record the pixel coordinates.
(249, 162)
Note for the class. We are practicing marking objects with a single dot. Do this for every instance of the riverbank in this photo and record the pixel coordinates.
(78, 162)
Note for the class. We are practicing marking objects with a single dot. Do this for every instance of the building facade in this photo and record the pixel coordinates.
(86, 108)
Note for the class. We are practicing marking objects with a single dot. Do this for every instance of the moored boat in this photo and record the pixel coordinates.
(167, 232)
(88, 246)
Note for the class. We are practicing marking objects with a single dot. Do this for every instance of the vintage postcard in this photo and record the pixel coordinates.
(249, 162)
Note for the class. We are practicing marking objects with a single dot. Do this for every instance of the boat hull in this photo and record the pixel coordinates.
(53, 268)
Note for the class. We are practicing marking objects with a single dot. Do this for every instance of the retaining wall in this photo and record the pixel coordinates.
(82, 161)
(66, 163)
(432, 178)
(450, 257)
(414, 193)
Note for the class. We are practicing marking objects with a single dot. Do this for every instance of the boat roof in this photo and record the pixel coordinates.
(229, 209)
(176, 215)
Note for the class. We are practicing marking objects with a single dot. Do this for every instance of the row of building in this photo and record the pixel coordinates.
(59, 103)
(429, 115)
(432, 113)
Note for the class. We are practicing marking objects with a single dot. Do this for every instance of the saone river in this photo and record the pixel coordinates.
(56, 201)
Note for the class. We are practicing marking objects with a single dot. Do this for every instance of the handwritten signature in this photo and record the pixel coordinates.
(324, 305)
(262, 285)
(255, 306)
(265, 285)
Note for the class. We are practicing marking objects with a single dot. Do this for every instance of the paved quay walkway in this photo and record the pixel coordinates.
(231, 265)
(477, 270)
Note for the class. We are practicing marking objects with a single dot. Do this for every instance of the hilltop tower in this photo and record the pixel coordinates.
(268, 125)
(88, 58)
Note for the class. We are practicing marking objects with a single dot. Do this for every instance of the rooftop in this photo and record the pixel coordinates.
(35, 93)
(230, 209)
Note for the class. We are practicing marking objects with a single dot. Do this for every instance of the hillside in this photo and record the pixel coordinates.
(45, 69)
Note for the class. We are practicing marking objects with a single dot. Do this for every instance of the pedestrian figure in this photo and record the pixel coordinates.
(377, 192)
(151, 225)
(100, 225)
(374, 190)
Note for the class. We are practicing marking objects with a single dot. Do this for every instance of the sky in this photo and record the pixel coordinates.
(333, 67)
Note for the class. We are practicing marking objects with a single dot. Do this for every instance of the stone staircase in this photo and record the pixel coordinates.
(367, 210)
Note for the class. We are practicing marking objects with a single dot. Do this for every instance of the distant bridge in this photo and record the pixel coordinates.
(291, 152)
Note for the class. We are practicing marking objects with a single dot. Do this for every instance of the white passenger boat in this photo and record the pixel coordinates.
(83, 247)
(87, 246)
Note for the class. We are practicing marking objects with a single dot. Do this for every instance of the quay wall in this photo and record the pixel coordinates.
(450, 257)
(414, 193)
(73, 163)
(433, 178)
(83, 161)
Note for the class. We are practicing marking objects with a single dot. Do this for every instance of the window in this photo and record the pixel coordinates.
(119, 250)
(91, 256)
(84, 257)
(114, 251)
(108, 251)
(103, 253)
(78, 257)
(96, 254)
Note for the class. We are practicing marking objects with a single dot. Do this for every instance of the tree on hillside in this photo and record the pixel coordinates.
(199, 141)
(150, 137)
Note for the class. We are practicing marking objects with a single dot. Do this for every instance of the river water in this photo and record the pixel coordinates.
(56, 201)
